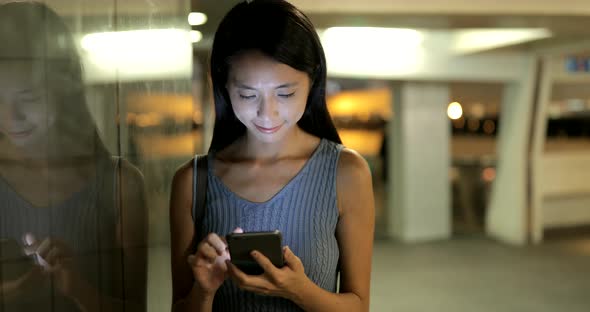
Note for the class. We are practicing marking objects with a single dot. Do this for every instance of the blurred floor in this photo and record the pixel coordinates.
(477, 274)
(463, 274)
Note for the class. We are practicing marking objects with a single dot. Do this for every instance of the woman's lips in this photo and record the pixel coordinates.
(20, 134)
(268, 130)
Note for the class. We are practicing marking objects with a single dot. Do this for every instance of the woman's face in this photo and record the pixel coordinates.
(268, 97)
(24, 113)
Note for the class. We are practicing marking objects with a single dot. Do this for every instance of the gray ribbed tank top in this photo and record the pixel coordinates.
(306, 213)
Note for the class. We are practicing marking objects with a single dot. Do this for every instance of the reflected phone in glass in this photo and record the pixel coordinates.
(268, 243)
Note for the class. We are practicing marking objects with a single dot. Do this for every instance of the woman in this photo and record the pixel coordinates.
(275, 162)
(75, 211)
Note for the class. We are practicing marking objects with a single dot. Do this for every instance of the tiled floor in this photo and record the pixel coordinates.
(464, 274)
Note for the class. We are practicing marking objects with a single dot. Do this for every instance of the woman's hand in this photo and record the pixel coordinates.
(286, 282)
(57, 261)
(209, 263)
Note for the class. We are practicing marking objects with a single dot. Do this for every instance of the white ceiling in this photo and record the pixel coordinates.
(436, 7)
(477, 7)
(568, 20)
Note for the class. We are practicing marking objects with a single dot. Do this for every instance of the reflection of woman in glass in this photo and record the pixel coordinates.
(75, 213)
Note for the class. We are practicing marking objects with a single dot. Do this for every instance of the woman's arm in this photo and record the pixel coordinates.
(354, 233)
(186, 295)
(133, 237)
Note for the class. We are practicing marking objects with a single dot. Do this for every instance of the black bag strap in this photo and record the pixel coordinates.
(200, 173)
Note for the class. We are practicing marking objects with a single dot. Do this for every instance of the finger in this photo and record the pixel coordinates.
(236, 274)
(42, 262)
(194, 261)
(44, 248)
(216, 242)
(257, 284)
(52, 256)
(207, 251)
(291, 260)
(29, 249)
(236, 230)
(220, 264)
(29, 239)
(263, 261)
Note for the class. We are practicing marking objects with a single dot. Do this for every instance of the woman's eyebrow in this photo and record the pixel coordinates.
(28, 90)
(31, 88)
(243, 86)
(287, 85)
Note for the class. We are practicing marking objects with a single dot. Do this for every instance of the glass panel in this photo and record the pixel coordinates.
(96, 113)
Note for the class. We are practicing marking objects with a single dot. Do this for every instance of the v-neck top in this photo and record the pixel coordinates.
(304, 210)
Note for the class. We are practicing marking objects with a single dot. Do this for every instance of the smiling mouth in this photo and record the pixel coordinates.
(20, 134)
(268, 130)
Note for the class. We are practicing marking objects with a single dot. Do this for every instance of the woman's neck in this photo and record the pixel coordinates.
(14, 156)
(252, 148)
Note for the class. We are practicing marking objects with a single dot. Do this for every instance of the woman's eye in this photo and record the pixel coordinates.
(30, 99)
(287, 95)
(247, 97)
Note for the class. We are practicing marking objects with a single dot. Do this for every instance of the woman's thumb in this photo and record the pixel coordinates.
(29, 239)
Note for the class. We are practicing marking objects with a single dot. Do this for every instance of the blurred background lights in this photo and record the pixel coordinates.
(137, 54)
(488, 174)
(489, 127)
(403, 37)
(455, 111)
(473, 125)
(197, 18)
(134, 41)
(371, 51)
(477, 40)
(195, 36)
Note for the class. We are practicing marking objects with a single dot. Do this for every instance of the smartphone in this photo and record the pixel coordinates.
(268, 243)
(14, 263)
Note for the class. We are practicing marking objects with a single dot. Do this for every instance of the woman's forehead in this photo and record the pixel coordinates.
(15, 74)
(256, 67)
(28, 67)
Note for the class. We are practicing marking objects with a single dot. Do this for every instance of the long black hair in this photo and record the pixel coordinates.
(279, 30)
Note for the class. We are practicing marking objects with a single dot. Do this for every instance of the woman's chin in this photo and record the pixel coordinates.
(30, 144)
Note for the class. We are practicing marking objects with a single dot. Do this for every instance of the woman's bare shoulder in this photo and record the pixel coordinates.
(182, 187)
(184, 172)
(354, 182)
(130, 171)
(352, 165)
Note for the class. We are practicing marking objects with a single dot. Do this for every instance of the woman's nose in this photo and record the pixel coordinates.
(10, 110)
(268, 107)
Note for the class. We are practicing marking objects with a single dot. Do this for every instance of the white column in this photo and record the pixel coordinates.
(419, 205)
(507, 217)
(538, 136)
